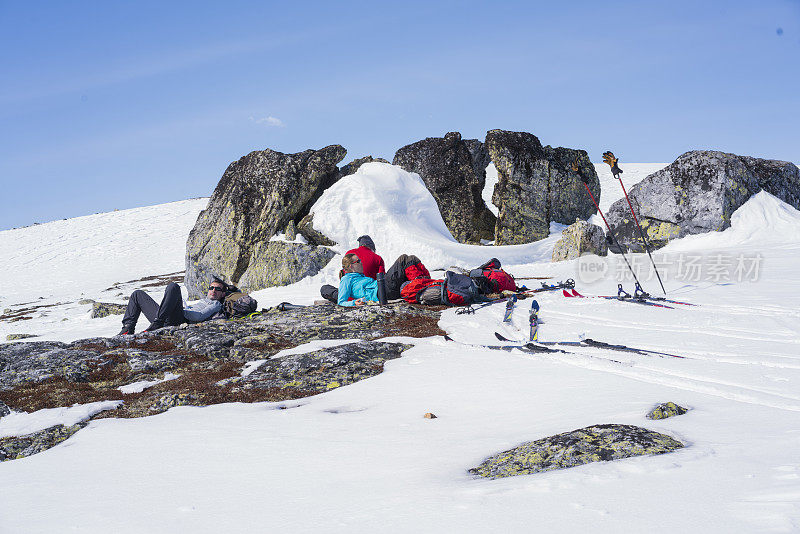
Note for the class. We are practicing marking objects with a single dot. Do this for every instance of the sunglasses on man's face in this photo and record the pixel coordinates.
(356, 261)
(216, 288)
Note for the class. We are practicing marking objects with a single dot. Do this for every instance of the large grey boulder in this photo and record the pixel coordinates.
(446, 166)
(256, 198)
(578, 239)
(698, 193)
(537, 185)
(586, 445)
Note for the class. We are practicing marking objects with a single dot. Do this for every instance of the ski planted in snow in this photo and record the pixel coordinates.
(534, 320)
(512, 300)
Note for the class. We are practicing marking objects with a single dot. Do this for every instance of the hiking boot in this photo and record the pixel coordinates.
(127, 330)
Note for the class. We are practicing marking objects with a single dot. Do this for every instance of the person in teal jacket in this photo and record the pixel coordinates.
(355, 288)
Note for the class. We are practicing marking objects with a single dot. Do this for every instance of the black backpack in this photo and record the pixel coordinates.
(460, 290)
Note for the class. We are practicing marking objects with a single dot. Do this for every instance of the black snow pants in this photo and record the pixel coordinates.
(168, 313)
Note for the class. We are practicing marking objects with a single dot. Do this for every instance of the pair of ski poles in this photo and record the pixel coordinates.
(609, 158)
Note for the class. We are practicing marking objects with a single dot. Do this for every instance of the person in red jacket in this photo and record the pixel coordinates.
(373, 264)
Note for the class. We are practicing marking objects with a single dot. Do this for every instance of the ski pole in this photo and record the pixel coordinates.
(610, 232)
(641, 233)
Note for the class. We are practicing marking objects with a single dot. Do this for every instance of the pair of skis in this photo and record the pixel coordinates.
(523, 293)
(639, 297)
(588, 342)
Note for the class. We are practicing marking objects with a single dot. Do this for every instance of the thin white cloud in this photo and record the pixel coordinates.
(269, 121)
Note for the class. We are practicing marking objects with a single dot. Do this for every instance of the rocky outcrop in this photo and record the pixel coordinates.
(578, 239)
(255, 199)
(353, 166)
(698, 193)
(665, 410)
(15, 337)
(447, 168)
(208, 359)
(480, 160)
(585, 445)
(311, 235)
(17, 447)
(284, 263)
(537, 185)
(321, 370)
(104, 309)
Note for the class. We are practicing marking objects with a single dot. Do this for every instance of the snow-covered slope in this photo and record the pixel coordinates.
(362, 457)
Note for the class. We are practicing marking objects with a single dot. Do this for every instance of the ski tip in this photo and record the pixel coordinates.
(566, 293)
(447, 338)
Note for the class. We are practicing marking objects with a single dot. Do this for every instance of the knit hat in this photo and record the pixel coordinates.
(366, 241)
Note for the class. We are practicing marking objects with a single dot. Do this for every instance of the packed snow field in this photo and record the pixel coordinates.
(362, 457)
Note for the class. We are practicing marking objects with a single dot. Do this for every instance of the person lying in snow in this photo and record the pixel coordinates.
(356, 289)
(370, 262)
(171, 311)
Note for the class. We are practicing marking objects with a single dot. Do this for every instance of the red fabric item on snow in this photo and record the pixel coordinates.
(455, 299)
(500, 280)
(416, 271)
(411, 290)
(373, 264)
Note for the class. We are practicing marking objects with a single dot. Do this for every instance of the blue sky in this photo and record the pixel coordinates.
(112, 105)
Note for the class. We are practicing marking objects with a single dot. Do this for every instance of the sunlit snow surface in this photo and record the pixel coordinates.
(363, 459)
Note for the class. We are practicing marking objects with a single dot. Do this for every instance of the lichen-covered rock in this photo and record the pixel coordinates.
(208, 359)
(17, 447)
(665, 410)
(284, 263)
(447, 168)
(255, 199)
(104, 309)
(16, 337)
(40, 360)
(698, 193)
(353, 166)
(165, 402)
(585, 445)
(578, 239)
(324, 369)
(314, 237)
(537, 185)
(4, 410)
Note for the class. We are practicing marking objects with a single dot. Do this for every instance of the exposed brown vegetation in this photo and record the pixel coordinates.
(274, 344)
(53, 393)
(420, 326)
(24, 314)
(156, 280)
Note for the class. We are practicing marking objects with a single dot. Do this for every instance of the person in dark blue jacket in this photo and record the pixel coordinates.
(172, 311)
